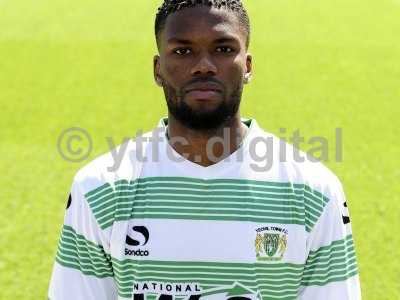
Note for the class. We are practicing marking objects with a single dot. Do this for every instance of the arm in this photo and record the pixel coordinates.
(331, 271)
(82, 270)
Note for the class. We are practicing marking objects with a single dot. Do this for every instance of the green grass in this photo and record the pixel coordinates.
(318, 65)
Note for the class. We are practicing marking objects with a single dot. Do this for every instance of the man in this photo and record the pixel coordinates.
(192, 212)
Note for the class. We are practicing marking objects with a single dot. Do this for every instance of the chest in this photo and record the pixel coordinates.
(189, 241)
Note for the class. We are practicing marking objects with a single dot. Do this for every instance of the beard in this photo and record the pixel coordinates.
(202, 120)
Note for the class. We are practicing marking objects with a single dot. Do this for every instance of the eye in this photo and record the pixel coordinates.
(224, 49)
(182, 51)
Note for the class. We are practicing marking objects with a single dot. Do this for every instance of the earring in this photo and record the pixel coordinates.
(247, 78)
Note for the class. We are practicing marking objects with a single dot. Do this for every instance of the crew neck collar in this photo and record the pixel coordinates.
(229, 162)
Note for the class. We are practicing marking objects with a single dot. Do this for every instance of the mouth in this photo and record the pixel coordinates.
(203, 95)
(204, 91)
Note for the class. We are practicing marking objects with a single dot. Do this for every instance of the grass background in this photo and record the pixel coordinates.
(318, 65)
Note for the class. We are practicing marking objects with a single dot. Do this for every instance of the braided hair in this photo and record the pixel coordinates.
(170, 6)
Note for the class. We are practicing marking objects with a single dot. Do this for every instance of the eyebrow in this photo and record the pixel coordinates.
(227, 39)
(178, 41)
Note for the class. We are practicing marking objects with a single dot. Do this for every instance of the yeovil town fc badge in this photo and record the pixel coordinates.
(270, 243)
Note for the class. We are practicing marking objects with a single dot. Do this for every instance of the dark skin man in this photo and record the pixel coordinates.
(258, 227)
(202, 67)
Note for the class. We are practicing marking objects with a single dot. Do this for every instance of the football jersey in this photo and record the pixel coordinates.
(143, 222)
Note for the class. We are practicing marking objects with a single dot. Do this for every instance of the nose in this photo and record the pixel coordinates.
(204, 65)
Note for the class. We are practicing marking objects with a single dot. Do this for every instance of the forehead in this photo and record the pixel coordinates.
(202, 23)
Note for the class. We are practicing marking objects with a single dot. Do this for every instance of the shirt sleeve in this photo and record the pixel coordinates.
(331, 271)
(82, 268)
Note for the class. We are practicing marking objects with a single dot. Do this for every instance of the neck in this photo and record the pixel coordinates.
(206, 147)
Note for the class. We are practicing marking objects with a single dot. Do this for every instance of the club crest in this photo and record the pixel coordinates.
(270, 243)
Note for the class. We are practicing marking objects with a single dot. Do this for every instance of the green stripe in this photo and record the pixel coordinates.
(275, 281)
(199, 199)
(74, 251)
(278, 280)
(335, 262)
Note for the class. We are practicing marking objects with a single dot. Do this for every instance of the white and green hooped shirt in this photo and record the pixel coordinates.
(165, 229)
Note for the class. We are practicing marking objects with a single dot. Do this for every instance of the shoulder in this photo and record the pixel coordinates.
(299, 167)
(318, 187)
(120, 163)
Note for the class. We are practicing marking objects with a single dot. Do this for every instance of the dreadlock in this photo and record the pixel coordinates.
(170, 6)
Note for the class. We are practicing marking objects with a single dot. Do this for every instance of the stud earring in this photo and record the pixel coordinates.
(247, 78)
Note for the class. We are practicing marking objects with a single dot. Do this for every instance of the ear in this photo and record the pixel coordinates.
(156, 70)
(249, 68)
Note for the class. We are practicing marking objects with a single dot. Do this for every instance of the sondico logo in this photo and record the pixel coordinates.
(140, 231)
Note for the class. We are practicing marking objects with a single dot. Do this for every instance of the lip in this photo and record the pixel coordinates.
(204, 87)
(203, 95)
(204, 91)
